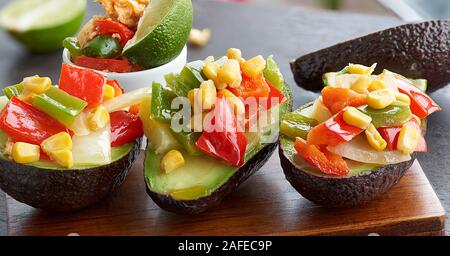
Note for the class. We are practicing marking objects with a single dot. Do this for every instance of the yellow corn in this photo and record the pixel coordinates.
(234, 53)
(172, 161)
(57, 142)
(199, 37)
(108, 92)
(354, 117)
(63, 157)
(361, 85)
(380, 99)
(408, 139)
(208, 94)
(98, 119)
(229, 72)
(36, 84)
(403, 98)
(191, 96)
(236, 104)
(24, 153)
(209, 59)
(374, 138)
(235, 84)
(360, 69)
(377, 85)
(210, 70)
(254, 66)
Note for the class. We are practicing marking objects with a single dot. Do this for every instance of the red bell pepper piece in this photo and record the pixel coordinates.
(24, 123)
(390, 135)
(118, 90)
(333, 131)
(112, 65)
(252, 87)
(323, 160)
(109, 27)
(221, 137)
(336, 99)
(276, 95)
(83, 83)
(421, 104)
(125, 128)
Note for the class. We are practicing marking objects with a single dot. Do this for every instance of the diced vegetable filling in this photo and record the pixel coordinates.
(68, 124)
(362, 117)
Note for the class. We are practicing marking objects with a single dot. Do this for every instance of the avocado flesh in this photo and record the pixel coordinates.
(209, 180)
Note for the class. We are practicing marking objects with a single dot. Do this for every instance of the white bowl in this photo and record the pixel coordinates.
(134, 80)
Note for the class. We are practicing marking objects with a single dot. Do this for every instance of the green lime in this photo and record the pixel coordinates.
(42, 25)
(161, 34)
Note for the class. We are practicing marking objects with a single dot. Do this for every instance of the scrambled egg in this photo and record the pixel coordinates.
(127, 12)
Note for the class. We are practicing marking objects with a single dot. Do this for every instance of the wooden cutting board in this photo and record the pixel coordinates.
(265, 205)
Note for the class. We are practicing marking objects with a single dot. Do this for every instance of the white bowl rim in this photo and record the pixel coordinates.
(182, 55)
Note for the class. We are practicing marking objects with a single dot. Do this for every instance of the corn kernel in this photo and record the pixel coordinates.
(208, 94)
(210, 70)
(254, 66)
(229, 72)
(377, 85)
(380, 99)
(198, 37)
(354, 117)
(172, 161)
(235, 84)
(190, 96)
(209, 59)
(374, 138)
(234, 53)
(98, 119)
(57, 142)
(108, 92)
(24, 153)
(361, 85)
(403, 98)
(408, 139)
(360, 69)
(36, 84)
(63, 157)
(236, 104)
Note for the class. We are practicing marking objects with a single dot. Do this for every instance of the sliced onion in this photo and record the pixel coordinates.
(128, 99)
(358, 149)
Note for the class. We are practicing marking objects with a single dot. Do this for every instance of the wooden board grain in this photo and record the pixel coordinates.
(265, 205)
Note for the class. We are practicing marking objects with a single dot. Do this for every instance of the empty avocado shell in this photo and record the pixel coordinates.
(419, 50)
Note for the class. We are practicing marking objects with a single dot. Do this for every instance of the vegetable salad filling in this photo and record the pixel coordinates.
(361, 118)
(223, 109)
(100, 42)
(69, 124)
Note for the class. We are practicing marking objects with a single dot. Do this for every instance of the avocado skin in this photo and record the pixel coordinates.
(414, 50)
(64, 190)
(200, 205)
(343, 192)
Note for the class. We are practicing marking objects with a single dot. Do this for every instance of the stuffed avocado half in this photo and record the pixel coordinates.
(229, 131)
(358, 138)
(66, 147)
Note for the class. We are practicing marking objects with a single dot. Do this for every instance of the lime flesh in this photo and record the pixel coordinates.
(41, 25)
(161, 34)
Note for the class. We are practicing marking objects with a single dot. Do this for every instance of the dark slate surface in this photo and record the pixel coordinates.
(285, 32)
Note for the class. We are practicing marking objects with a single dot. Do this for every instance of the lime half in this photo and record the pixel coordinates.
(161, 34)
(41, 25)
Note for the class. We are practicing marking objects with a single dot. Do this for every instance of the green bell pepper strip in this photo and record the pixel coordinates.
(192, 74)
(13, 90)
(177, 84)
(187, 140)
(296, 125)
(72, 45)
(273, 73)
(161, 103)
(60, 105)
(395, 114)
(102, 46)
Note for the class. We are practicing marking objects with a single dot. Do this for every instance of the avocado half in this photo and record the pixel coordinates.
(350, 191)
(418, 50)
(64, 189)
(204, 203)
